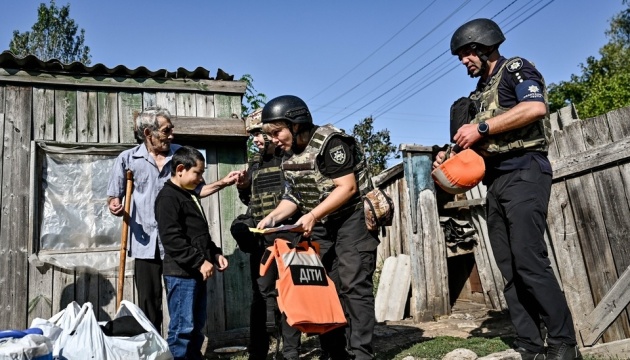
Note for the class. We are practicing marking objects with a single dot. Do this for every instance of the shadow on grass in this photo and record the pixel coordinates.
(395, 341)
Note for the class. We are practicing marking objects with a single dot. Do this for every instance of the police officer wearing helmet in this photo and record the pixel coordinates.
(260, 188)
(326, 177)
(511, 131)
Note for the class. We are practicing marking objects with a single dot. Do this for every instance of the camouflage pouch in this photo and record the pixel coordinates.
(378, 208)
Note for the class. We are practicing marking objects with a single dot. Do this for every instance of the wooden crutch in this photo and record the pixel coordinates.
(123, 240)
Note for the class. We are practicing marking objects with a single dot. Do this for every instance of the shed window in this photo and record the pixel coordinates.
(72, 227)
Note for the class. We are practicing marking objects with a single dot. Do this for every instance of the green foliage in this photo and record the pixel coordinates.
(377, 146)
(252, 100)
(603, 83)
(53, 36)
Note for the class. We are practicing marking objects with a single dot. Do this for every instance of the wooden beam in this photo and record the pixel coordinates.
(619, 349)
(190, 126)
(465, 203)
(415, 148)
(388, 174)
(143, 84)
(592, 159)
(607, 310)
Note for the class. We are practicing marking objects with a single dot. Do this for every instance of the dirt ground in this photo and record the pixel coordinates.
(467, 319)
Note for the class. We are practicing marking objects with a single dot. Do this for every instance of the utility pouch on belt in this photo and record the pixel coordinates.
(463, 111)
(245, 239)
(306, 295)
(378, 208)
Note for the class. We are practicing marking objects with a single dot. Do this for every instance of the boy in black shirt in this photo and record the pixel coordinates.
(190, 255)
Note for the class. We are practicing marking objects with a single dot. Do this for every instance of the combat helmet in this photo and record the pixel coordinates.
(253, 121)
(478, 31)
(288, 108)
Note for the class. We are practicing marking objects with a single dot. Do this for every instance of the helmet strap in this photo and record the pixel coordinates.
(483, 57)
(266, 144)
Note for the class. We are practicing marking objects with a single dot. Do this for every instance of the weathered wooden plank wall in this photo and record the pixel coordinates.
(105, 115)
(15, 201)
(589, 215)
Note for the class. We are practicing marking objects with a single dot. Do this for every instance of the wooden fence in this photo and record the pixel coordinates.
(588, 226)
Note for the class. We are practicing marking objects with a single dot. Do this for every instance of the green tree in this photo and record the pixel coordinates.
(252, 100)
(53, 36)
(377, 146)
(603, 84)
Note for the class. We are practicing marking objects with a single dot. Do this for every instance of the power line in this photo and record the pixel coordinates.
(439, 42)
(448, 71)
(419, 82)
(374, 52)
(398, 56)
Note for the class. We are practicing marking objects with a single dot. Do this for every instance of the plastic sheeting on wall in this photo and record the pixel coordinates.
(76, 228)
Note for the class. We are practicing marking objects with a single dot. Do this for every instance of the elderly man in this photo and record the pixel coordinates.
(150, 163)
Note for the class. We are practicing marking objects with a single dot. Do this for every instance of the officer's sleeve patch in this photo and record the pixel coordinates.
(514, 65)
(529, 90)
(338, 154)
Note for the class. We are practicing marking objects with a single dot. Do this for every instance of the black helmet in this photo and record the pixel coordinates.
(479, 31)
(287, 107)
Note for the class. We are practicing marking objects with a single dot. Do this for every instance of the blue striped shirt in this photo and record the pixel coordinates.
(147, 183)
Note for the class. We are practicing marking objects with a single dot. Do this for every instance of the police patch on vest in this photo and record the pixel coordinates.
(308, 275)
(514, 65)
(338, 154)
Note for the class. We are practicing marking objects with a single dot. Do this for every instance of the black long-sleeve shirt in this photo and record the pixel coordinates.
(183, 230)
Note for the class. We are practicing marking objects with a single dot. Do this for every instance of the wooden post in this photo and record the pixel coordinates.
(123, 241)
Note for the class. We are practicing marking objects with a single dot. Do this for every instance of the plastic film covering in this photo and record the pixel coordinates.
(77, 230)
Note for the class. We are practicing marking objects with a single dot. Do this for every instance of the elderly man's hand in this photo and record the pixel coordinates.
(115, 207)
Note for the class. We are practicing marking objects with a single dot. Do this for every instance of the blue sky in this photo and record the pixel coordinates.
(348, 60)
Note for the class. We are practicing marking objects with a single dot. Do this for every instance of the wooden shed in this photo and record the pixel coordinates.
(587, 231)
(53, 115)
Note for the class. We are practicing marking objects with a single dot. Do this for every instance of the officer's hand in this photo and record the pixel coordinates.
(242, 180)
(267, 221)
(307, 221)
(439, 159)
(222, 262)
(206, 270)
(467, 135)
(115, 207)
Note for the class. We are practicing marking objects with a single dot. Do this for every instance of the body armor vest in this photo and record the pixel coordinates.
(310, 186)
(267, 188)
(534, 136)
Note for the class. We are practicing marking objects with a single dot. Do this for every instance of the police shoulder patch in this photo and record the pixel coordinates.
(514, 65)
(338, 154)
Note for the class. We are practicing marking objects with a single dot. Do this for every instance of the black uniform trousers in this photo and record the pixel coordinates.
(264, 302)
(517, 210)
(353, 265)
(149, 286)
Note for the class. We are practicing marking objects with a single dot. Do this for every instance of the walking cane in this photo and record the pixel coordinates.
(123, 240)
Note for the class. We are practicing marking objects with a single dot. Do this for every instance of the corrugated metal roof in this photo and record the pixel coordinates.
(31, 62)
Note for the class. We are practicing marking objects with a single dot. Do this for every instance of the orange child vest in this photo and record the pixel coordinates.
(306, 295)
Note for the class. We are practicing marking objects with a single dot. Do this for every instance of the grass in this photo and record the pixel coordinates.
(433, 349)
(438, 347)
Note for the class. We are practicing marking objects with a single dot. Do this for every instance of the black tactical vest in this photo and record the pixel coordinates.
(267, 188)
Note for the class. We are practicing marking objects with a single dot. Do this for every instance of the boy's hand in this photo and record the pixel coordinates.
(206, 270)
(222, 262)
